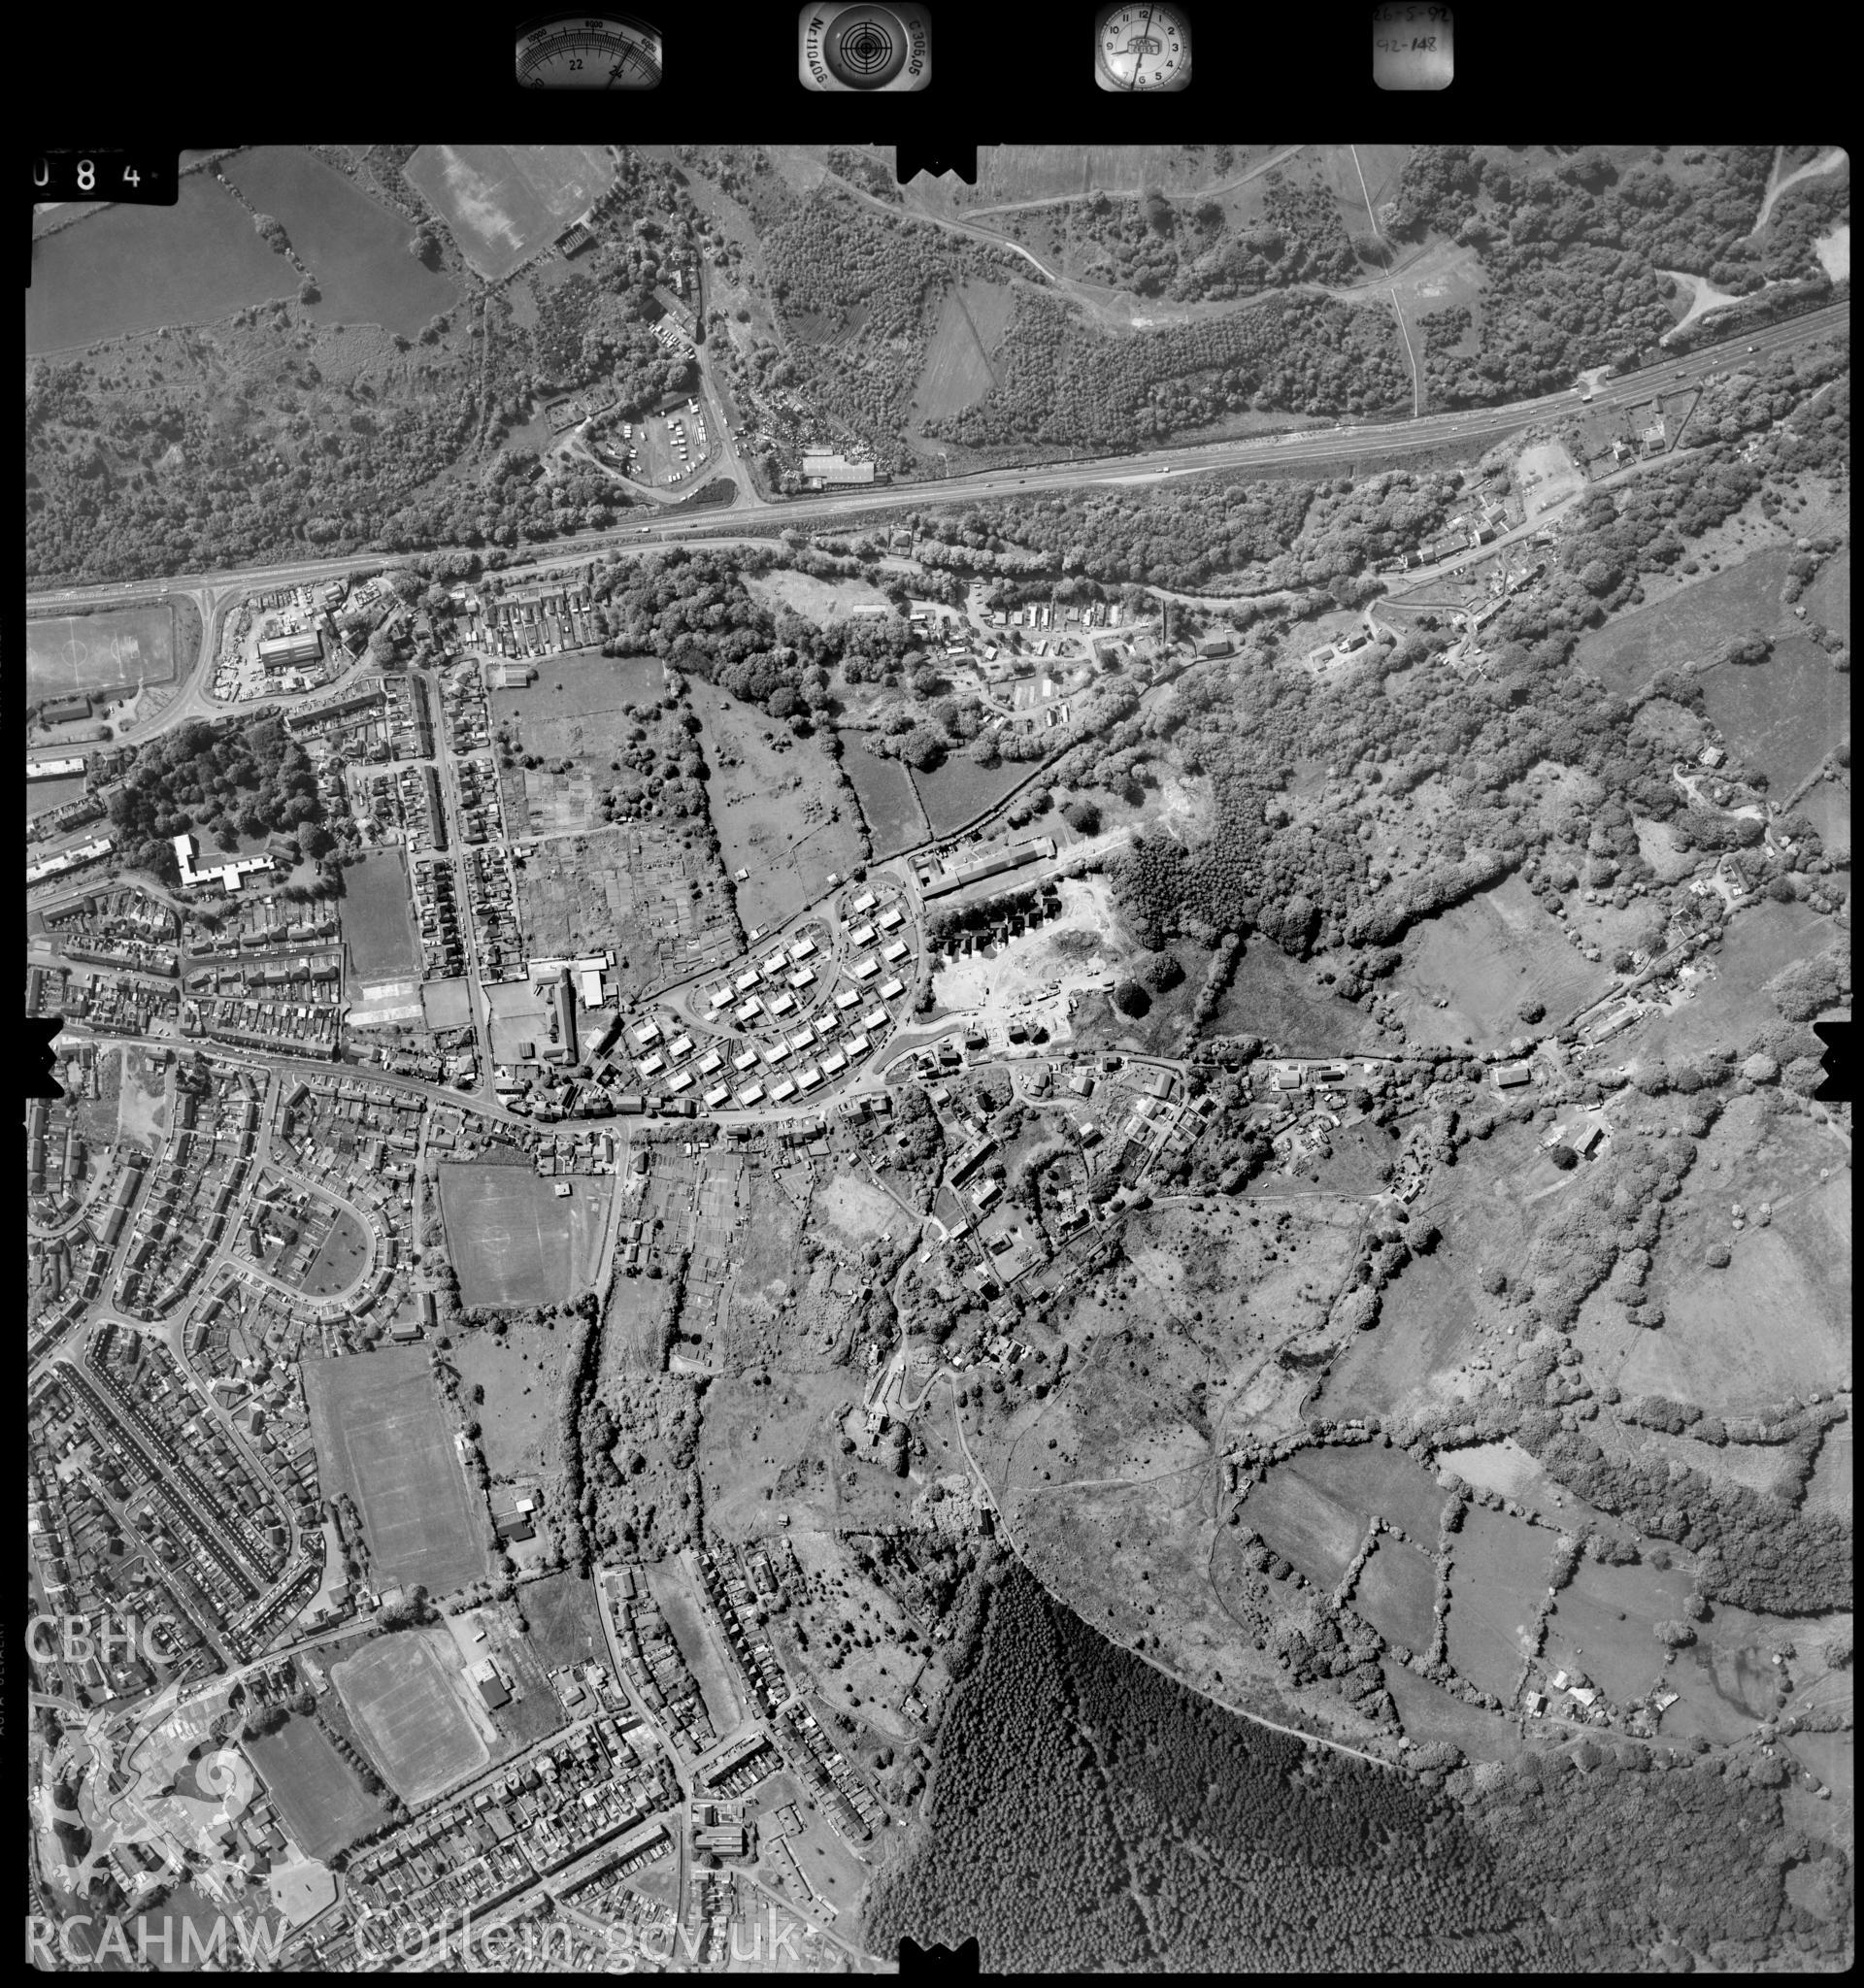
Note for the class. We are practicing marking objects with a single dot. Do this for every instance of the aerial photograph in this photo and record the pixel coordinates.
(930, 1056)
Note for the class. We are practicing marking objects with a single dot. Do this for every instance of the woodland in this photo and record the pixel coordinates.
(1090, 1812)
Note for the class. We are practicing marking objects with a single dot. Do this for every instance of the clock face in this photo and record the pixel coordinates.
(1145, 46)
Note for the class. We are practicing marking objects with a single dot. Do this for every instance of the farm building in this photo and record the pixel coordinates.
(64, 710)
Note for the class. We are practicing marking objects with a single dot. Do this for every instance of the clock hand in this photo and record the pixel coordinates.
(1138, 46)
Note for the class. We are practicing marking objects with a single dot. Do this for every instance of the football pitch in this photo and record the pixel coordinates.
(322, 1802)
(92, 654)
(514, 1240)
(378, 924)
(384, 1435)
(398, 1691)
(505, 202)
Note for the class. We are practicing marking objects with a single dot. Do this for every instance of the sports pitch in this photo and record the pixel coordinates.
(505, 202)
(399, 1691)
(378, 924)
(514, 1240)
(322, 1800)
(384, 1438)
(93, 655)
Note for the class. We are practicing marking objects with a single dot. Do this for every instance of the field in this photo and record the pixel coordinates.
(1745, 600)
(1622, 1658)
(565, 1618)
(1357, 173)
(1777, 1319)
(131, 268)
(505, 202)
(1278, 999)
(634, 1326)
(1180, 1345)
(853, 1214)
(491, 1631)
(1429, 1318)
(344, 1257)
(781, 810)
(1488, 955)
(1784, 714)
(447, 1004)
(114, 649)
(143, 1111)
(755, 1446)
(401, 1692)
(355, 247)
(384, 1437)
(672, 1584)
(1731, 1008)
(42, 796)
(1829, 597)
(520, 1372)
(378, 919)
(817, 599)
(323, 1804)
(651, 892)
(1395, 1590)
(1318, 1532)
(573, 712)
(888, 799)
(1828, 807)
(1496, 1585)
(958, 367)
(514, 1241)
(954, 793)
(1372, 1479)
(1725, 1681)
(1134, 1560)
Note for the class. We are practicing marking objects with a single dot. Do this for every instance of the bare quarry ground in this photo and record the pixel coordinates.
(1034, 976)
(1545, 476)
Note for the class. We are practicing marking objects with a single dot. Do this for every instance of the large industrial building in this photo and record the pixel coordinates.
(289, 652)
